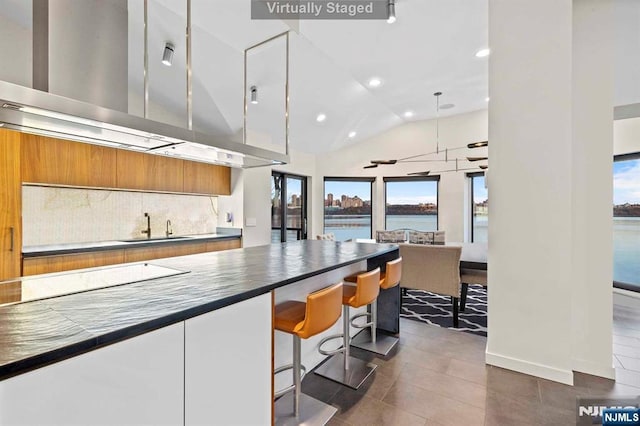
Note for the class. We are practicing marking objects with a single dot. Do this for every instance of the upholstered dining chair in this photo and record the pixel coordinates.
(329, 236)
(470, 276)
(396, 236)
(433, 268)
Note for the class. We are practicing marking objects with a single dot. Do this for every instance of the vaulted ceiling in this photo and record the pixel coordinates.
(431, 47)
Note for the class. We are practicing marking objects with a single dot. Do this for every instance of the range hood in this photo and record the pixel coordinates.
(34, 111)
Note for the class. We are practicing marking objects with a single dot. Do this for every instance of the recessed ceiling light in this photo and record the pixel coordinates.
(482, 53)
(375, 82)
(447, 106)
(321, 117)
(352, 135)
(408, 114)
(487, 99)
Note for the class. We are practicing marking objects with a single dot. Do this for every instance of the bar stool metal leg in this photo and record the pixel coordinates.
(341, 367)
(297, 382)
(370, 340)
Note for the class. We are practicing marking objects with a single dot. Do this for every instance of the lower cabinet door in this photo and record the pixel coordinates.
(135, 382)
(228, 365)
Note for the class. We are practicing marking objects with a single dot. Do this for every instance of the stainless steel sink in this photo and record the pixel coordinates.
(142, 240)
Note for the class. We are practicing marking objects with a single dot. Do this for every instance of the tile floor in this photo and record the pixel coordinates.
(435, 372)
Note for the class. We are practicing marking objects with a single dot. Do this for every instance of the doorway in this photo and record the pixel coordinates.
(288, 223)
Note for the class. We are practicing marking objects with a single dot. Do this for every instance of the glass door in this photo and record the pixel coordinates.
(288, 207)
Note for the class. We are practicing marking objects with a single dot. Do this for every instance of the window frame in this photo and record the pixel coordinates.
(371, 181)
(283, 202)
(435, 178)
(471, 201)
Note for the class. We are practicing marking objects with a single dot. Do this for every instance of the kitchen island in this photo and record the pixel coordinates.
(190, 348)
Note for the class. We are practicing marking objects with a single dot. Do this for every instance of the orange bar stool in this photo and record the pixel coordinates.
(303, 320)
(341, 367)
(369, 339)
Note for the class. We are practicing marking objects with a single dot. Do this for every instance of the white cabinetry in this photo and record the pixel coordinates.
(138, 381)
(228, 365)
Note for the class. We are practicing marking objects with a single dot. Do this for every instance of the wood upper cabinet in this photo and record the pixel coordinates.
(62, 162)
(136, 170)
(202, 178)
(10, 205)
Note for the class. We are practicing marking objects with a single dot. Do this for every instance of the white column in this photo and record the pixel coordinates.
(541, 197)
(593, 61)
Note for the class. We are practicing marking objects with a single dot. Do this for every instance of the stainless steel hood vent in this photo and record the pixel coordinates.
(43, 113)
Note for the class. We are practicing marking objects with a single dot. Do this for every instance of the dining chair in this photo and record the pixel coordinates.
(433, 268)
(470, 276)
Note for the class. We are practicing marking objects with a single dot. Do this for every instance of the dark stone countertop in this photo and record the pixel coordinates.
(37, 333)
(59, 249)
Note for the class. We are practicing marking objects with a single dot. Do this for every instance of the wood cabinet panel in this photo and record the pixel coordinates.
(10, 292)
(224, 245)
(10, 205)
(61, 162)
(135, 170)
(67, 262)
(201, 178)
(149, 253)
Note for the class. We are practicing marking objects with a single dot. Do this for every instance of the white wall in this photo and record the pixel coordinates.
(626, 136)
(550, 185)
(592, 155)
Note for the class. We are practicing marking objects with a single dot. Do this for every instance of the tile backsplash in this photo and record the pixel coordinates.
(54, 215)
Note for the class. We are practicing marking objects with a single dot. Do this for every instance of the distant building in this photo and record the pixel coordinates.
(329, 201)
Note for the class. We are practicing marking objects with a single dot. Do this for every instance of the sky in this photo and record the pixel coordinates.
(397, 192)
(626, 182)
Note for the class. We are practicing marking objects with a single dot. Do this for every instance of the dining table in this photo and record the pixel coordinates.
(473, 256)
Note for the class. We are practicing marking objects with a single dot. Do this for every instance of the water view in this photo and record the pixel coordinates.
(626, 249)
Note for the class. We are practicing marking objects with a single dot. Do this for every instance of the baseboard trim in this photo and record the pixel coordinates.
(531, 368)
(593, 369)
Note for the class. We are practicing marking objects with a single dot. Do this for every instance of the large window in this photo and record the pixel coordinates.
(626, 221)
(479, 208)
(347, 207)
(411, 203)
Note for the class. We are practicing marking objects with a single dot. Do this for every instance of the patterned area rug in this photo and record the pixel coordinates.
(434, 309)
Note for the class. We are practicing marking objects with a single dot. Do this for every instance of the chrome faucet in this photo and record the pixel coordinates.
(148, 230)
(169, 228)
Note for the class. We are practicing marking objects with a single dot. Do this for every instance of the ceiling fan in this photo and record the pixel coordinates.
(415, 158)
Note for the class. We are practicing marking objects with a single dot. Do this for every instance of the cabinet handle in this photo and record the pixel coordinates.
(11, 233)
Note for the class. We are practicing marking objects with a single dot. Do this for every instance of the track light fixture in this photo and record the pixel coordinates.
(371, 166)
(477, 158)
(254, 95)
(167, 55)
(391, 11)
